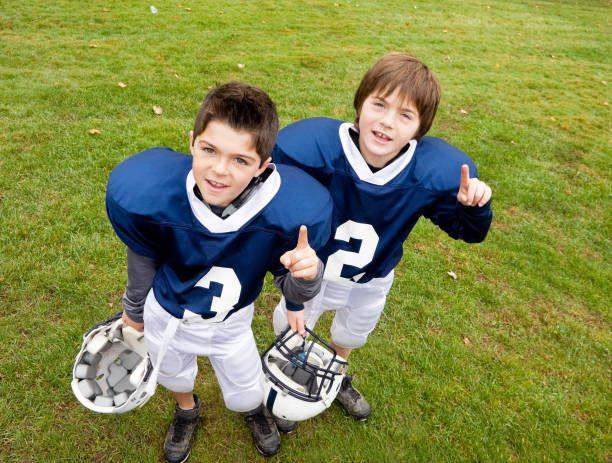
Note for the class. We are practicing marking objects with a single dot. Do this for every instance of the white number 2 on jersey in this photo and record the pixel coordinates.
(230, 293)
(369, 240)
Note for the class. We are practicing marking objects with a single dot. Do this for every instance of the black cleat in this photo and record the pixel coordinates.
(353, 401)
(177, 445)
(263, 429)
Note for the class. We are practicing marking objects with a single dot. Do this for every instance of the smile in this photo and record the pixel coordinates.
(216, 185)
(381, 136)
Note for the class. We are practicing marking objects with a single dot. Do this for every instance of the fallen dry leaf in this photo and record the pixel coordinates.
(466, 340)
(240, 65)
(497, 66)
(463, 111)
(110, 304)
(604, 82)
(605, 103)
(94, 131)
(121, 84)
(564, 126)
(8, 25)
(187, 9)
(177, 76)
(93, 45)
(407, 23)
(106, 10)
(157, 110)
(452, 274)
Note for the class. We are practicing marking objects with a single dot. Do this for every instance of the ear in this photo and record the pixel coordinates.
(191, 141)
(264, 166)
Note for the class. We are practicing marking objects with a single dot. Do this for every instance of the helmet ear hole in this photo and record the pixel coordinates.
(301, 376)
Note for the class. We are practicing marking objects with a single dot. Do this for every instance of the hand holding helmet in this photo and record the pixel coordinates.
(302, 376)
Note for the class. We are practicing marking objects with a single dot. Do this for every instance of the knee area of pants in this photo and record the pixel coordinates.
(243, 401)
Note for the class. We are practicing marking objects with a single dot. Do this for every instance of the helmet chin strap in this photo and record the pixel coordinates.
(163, 348)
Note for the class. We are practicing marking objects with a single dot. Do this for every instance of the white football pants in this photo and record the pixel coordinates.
(229, 345)
(358, 308)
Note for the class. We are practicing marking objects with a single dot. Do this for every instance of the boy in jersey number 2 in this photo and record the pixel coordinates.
(201, 232)
(382, 174)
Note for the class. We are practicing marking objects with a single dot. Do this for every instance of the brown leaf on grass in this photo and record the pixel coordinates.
(106, 10)
(463, 111)
(564, 126)
(407, 23)
(94, 131)
(466, 340)
(121, 84)
(605, 103)
(177, 76)
(187, 9)
(452, 274)
(158, 110)
(241, 66)
(93, 45)
(497, 66)
(9, 25)
(110, 304)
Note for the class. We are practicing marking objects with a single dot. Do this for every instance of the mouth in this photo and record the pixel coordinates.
(215, 186)
(381, 137)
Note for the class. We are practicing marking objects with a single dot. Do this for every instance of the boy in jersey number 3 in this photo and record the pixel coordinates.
(201, 232)
(382, 174)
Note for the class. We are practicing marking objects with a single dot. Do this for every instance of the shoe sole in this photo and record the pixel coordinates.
(182, 461)
(265, 454)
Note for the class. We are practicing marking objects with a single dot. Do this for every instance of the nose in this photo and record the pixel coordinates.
(221, 166)
(387, 118)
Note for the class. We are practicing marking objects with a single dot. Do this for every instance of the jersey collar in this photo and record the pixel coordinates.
(360, 166)
(251, 207)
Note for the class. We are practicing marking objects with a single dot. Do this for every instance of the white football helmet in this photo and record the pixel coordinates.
(302, 376)
(112, 368)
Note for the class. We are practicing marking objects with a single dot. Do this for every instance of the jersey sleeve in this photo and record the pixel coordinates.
(133, 199)
(306, 144)
(470, 224)
(136, 232)
(440, 172)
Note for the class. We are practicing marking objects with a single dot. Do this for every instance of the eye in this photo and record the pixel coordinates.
(241, 161)
(407, 116)
(208, 150)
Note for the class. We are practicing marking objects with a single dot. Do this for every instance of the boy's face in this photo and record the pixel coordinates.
(224, 162)
(386, 125)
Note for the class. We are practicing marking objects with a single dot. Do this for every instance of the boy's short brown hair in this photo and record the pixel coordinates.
(244, 108)
(415, 81)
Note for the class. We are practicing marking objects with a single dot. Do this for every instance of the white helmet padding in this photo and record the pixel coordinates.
(112, 368)
(302, 376)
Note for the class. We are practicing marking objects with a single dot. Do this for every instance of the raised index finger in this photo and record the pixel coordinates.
(302, 238)
(465, 176)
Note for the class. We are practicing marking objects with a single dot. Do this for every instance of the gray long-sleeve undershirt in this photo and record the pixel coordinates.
(142, 270)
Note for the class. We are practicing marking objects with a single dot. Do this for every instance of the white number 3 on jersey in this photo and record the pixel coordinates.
(369, 240)
(222, 304)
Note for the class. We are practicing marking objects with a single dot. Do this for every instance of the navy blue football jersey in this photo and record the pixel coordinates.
(211, 267)
(374, 212)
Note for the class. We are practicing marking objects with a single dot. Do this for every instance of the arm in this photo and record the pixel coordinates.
(141, 271)
(468, 215)
(303, 281)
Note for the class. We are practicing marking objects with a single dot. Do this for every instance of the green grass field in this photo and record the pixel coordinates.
(512, 361)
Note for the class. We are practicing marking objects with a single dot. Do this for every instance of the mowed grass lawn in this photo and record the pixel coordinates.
(510, 361)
